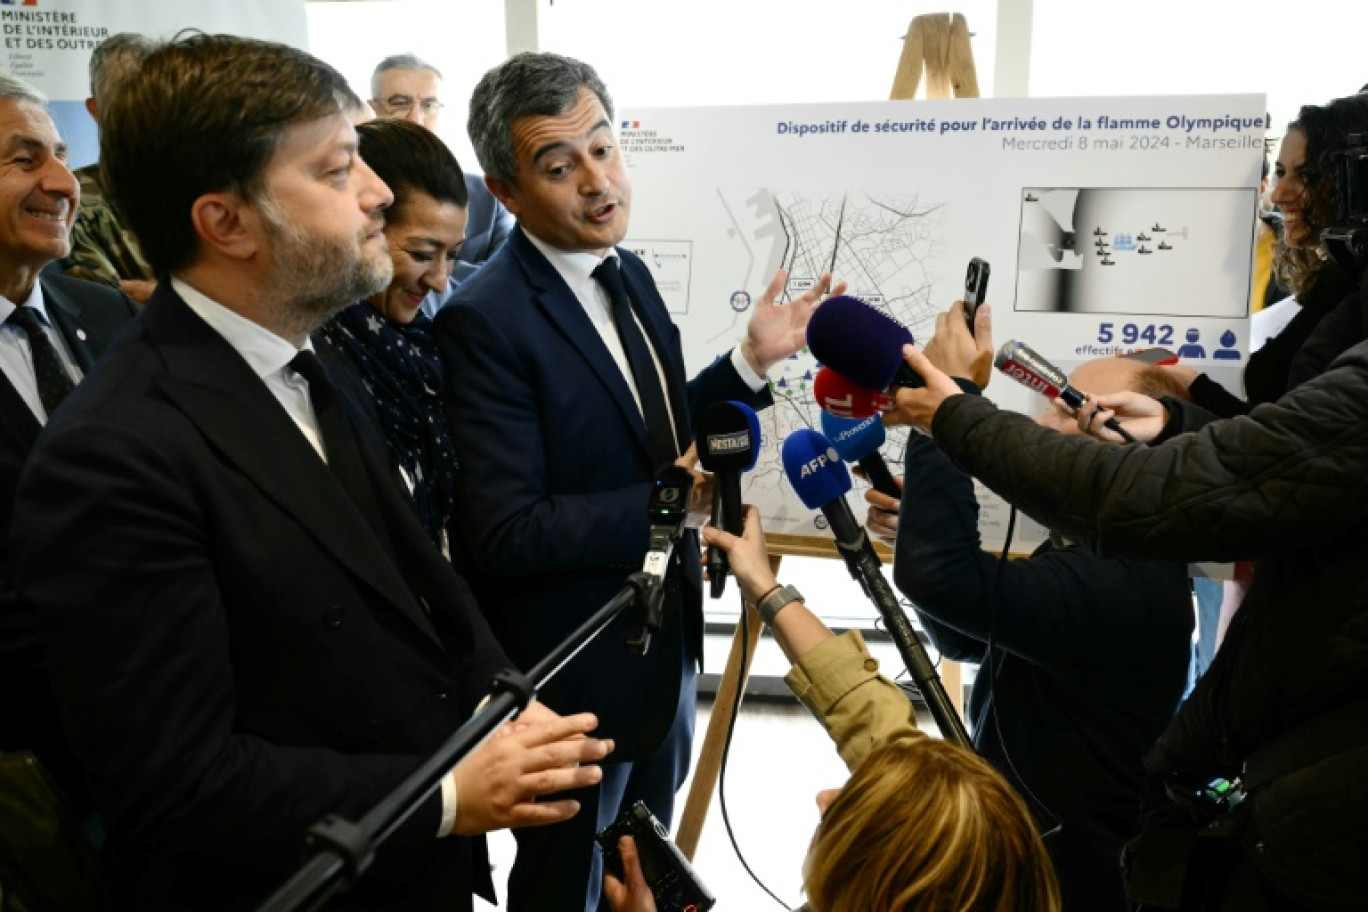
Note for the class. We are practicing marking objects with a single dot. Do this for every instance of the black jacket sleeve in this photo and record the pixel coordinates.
(1042, 609)
(1237, 489)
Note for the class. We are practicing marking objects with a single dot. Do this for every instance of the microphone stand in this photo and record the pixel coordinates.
(342, 850)
(865, 567)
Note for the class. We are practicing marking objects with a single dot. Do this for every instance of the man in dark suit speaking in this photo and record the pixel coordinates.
(567, 393)
(246, 628)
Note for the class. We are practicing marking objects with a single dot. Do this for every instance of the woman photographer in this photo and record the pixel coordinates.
(922, 823)
(1328, 320)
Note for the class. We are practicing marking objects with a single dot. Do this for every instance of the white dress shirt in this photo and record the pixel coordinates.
(16, 358)
(577, 270)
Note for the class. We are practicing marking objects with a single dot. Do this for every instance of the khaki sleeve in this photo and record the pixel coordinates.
(839, 682)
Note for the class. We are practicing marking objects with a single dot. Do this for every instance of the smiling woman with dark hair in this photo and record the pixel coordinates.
(387, 338)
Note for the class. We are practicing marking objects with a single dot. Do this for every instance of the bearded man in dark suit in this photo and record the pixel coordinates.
(246, 628)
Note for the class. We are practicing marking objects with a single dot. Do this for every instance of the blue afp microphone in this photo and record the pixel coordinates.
(858, 440)
(728, 438)
(821, 480)
(861, 343)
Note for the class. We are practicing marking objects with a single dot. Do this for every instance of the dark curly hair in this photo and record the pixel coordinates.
(1327, 129)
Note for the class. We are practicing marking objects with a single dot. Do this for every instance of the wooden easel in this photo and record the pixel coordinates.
(939, 45)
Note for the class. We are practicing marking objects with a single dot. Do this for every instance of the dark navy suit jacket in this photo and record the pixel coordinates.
(554, 480)
(236, 651)
(88, 317)
(488, 225)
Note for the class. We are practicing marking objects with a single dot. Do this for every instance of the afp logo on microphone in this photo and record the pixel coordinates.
(819, 462)
(735, 442)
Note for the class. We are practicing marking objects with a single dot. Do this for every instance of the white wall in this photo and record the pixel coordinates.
(1298, 53)
(720, 52)
(463, 40)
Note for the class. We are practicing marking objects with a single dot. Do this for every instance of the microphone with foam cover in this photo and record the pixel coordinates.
(858, 440)
(836, 395)
(728, 437)
(1020, 362)
(821, 480)
(862, 343)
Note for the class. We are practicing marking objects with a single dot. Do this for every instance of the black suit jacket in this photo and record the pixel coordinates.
(88, 316)
(554, 479)
(233, 650)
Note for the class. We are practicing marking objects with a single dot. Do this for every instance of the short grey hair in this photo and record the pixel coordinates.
(116, 58)
(525, 85)
(12, 88)
(399, 62)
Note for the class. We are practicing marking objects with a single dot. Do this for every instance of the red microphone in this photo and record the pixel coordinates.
(840, 397)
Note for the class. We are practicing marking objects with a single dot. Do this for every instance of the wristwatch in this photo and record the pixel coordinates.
(775, 601)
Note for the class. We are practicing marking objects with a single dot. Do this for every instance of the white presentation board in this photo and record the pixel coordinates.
(1110, 223)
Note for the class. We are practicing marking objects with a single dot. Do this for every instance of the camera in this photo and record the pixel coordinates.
(1347, 240)
(672, 880)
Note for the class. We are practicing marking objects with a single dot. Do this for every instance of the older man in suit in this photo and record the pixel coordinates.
(52, 330)
(246, 628)
(406, 86)
(567, 393)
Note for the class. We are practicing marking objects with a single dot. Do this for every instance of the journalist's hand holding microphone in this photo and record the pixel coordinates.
(961, 354)
(1142, 417)
(952, 352)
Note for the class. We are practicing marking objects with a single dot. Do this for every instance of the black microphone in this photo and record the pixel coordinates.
(667, 510)
(728, 437)
(862, 343)
(1025, 366)
(821, 480)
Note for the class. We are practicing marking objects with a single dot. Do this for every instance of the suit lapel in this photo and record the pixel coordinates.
(208, 380)
(660, 331)
(566, 313)
(17, 421)
(66, 316)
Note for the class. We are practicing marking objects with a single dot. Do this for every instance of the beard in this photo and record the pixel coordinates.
(316, 276)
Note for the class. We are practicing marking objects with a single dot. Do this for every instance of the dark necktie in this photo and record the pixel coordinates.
(54, 380)
(339, 440)
(653, 408)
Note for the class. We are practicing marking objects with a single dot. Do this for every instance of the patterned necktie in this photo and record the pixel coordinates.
(653, 408)
(339, 440)
(54, 380)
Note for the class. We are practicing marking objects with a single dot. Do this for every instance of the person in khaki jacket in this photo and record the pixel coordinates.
(922, 823)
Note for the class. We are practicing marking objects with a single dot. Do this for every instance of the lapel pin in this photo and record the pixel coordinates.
(80, 334)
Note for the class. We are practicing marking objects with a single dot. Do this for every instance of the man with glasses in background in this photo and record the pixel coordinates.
(409, 88)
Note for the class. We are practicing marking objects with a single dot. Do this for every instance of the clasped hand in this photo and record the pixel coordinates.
(539, 753)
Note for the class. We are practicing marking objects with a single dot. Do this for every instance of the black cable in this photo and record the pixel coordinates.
(995, 668)
(726, 752)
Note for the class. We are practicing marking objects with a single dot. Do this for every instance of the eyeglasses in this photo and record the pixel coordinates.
(403, 104)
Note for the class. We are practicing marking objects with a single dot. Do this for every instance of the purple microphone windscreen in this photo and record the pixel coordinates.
(854, 438)
(858, 340)
(814, 468)
(728, 437)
